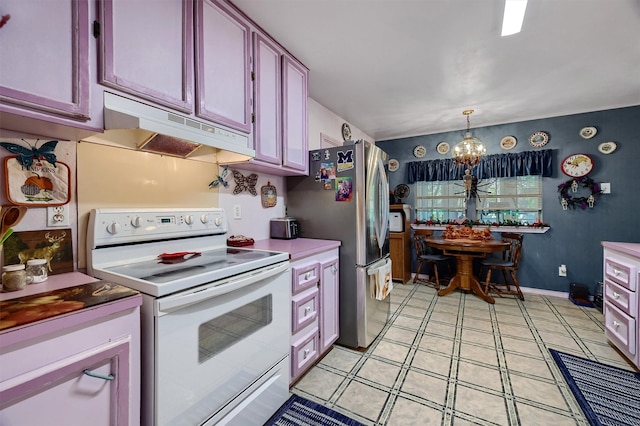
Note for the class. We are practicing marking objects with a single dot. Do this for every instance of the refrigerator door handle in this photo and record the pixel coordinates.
(382, 219)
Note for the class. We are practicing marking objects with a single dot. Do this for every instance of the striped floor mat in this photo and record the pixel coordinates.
(298, 411)
(608, 395)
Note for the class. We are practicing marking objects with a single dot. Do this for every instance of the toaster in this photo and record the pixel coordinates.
(284, 228)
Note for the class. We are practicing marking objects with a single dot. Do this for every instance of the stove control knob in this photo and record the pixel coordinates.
(188, 219)
(218, 221)
(136, 222)
(113, 228)
(204, 218)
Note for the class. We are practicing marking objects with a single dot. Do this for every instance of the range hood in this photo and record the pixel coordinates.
(134, 125)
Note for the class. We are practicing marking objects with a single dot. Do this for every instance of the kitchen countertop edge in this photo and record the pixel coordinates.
(298, 248)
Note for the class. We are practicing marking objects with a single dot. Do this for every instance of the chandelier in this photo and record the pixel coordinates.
(469, 150)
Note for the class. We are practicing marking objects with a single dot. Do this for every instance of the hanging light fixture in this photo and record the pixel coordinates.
(469, 150)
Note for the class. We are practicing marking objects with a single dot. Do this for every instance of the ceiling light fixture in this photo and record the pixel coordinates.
(513, 16)
(469, 150)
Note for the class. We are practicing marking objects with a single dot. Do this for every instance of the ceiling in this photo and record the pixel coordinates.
(397, 68)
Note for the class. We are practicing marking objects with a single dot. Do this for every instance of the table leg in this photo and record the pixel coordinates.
(465, 279)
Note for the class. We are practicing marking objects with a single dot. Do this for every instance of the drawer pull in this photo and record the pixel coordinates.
(616, 272)
(99, 376)
(334, 268)
(616, 295)
(306, 353)
(307, 309)
(616, 324)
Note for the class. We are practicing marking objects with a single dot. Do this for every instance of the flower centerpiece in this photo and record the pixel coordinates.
(458, 232)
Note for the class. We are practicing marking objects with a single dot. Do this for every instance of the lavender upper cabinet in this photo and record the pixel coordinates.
(223, 67)
(294, 115)
(280, 106)
(268, 100)
(146, 49)
(44, 65)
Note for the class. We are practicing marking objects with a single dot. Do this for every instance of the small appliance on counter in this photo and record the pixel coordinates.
(284, 228)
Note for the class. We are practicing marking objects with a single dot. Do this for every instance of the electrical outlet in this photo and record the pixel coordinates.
(58, 215)
(237, 211)
(562, 271)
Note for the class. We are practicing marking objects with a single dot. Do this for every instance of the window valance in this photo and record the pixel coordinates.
(490, 166)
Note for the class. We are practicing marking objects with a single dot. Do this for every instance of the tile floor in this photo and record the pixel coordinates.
(456, 360)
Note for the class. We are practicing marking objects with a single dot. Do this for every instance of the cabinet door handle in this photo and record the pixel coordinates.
(334, 269)
(99, 376)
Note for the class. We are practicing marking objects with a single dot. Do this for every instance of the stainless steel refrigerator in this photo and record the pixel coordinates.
(346, 198)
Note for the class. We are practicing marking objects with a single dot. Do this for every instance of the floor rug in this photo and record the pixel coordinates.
(607, 395)
(302, 412)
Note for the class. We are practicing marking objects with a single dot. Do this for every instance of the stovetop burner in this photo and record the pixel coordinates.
(159, 271)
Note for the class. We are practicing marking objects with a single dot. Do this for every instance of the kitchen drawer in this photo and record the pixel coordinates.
(621, 272)
(304, 309)
(620, 329)
(622, 297)
(304, 276)
(304, 352)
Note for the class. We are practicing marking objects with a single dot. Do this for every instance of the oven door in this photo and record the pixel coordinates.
(215, 341)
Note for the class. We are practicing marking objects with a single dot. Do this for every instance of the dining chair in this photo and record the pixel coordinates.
(426, 256)
(508, 263)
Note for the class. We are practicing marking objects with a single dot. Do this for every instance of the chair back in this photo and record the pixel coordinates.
(515, 250)
(418, 241)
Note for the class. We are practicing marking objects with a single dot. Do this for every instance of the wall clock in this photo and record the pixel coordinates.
(419, 151)
(577, 165)
(346, 132)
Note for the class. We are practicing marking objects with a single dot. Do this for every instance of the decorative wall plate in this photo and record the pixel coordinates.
(442, 148)
(393, 165)
(346, 132)
(539, 139)
(577, 165)
(508, 142)
(588, 132)
(419, 151)
(607, 147)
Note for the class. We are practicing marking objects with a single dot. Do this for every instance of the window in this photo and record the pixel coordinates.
(515, 199)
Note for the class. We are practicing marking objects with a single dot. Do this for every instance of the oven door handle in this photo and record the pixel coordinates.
(173, 303)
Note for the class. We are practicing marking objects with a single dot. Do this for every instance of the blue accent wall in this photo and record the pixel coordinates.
(575, 236)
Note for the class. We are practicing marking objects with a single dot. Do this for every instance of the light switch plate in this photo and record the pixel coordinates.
(606, 188)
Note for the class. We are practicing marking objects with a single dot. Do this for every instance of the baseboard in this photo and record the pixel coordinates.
(542, 292)
(530, 290)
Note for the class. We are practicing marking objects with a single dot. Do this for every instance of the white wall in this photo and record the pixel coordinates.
(323, 121)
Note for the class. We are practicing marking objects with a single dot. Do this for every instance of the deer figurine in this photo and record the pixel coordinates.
(47, 252)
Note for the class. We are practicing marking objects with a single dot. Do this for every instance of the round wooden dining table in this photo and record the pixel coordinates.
(465, 250)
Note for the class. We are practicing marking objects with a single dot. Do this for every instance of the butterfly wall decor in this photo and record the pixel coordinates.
(221, 179)
(245, 183)
(26, 156)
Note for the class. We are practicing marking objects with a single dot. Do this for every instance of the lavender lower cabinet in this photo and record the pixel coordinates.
(76, 369)
(314, 304)
(621, 279)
